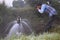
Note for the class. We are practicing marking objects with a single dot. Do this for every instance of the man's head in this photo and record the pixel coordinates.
(38, 5)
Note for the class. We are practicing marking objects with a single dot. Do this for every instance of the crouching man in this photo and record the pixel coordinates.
(44, 8)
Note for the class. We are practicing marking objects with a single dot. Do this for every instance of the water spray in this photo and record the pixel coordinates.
(20, 26)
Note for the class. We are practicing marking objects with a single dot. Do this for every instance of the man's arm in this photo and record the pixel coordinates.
(42, 8)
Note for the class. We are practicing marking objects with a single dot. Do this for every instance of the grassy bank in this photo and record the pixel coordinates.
(45, 36)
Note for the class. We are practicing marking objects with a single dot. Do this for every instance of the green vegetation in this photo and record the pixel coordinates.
(45, 36)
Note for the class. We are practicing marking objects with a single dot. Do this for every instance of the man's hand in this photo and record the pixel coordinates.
(38, 7)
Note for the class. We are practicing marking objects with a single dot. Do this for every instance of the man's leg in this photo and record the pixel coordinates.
(49, 24)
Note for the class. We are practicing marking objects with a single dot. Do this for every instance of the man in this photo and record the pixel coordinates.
(48, 9)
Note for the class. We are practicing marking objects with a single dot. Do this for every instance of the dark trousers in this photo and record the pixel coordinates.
(50, 22)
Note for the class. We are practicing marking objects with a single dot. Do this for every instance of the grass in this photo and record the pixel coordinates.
(45, 36)
(55, 29)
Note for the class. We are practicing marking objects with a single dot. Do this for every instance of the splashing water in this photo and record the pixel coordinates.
(20, 28)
